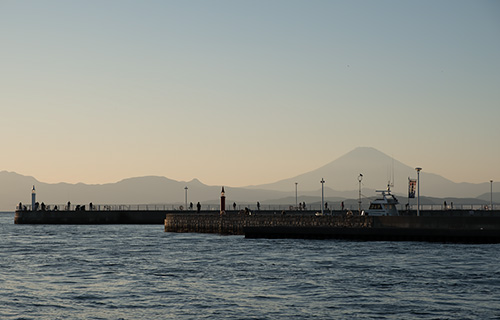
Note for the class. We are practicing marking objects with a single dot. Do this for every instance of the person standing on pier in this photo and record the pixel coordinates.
(198, 207)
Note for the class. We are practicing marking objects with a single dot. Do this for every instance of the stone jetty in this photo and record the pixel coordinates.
(235, 223)
(450, 228)
(90, 217)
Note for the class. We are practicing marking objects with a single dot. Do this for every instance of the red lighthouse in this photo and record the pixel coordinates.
(222, 202)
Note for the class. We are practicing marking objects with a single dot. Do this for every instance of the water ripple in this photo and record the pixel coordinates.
(138, 272)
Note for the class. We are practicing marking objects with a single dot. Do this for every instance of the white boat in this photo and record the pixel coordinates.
(384, 206)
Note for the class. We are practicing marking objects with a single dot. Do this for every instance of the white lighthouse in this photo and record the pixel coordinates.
(33, 198)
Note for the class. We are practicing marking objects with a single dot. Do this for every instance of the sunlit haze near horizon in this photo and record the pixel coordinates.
(247, 92)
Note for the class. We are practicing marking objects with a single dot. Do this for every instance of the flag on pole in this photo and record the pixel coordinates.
(412, 185)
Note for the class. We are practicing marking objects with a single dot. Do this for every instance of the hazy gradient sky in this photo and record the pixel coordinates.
(246, 92)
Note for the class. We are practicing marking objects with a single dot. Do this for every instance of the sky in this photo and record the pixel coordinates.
(243, 93)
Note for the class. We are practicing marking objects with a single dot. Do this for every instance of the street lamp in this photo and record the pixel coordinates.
(322, 196)
(296, 203)
(186, 197)
(418, 190)
(360, 177)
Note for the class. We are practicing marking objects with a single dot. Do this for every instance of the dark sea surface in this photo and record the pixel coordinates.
(141, 272)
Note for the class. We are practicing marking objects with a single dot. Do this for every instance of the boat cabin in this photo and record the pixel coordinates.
(384, 206)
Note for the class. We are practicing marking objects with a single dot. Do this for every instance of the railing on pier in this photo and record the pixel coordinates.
(241, 207)
(438, 207)
(161, 207)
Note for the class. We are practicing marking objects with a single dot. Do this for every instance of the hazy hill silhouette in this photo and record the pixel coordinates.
(15, 188)
(341, 176)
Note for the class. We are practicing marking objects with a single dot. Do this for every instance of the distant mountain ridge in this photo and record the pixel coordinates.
(377, 169)
(341, 176)
(15, 188)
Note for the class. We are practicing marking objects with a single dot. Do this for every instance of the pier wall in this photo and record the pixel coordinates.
(235, 223)
(118, 216)
(213, 222)
(438, 222)
(90, 217)
(479, 229)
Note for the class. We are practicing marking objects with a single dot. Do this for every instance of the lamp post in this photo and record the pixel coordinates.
(186, 197)
(491, 194)
(296, 203)
(322, 196)
(360, 177)
(418, 190)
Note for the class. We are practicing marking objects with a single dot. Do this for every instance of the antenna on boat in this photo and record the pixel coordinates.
(390, 183)
(390, 177)
(392, 171)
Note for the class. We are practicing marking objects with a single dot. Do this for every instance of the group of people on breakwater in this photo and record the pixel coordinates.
(44, 207)
(37, 207)
(198, 207)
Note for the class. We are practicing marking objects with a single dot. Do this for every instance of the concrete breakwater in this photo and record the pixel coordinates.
(235, 224)
(125, 216)
(116, 216)
(440, 228)
(90, 217)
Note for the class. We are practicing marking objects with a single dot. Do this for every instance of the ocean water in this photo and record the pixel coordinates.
(141, 272)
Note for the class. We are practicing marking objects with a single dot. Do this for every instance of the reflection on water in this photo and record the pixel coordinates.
(141, 272)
